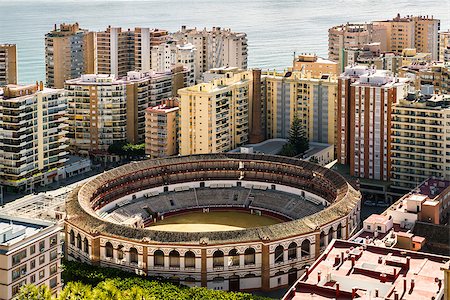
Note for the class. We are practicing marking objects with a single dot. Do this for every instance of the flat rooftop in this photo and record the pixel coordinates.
(13, 230)
(433, 187)
(363, 270)
(271, 146)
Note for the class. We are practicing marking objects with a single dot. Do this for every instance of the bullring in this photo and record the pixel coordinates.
(109, 218)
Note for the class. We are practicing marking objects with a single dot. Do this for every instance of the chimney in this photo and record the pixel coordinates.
(439, 284)
(353, 261)
(404, 285)
(408, 262)
(412, 286)
(319, 276)
(41, 85)
(337, 290)
(293, 291)
(342, 256)
(380, 259)
(383, 278)
(376, 292)
(395, 296)
(353, 292)
(336, 260)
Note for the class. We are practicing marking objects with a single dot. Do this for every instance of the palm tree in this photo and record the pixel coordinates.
(76, 291)
(32, 292)
(107, 290)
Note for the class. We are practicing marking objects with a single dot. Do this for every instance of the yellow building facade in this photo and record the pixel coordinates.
(310, 98)
(214, 116)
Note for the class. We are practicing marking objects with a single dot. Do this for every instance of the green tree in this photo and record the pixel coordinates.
(32, 292)
(107, 290)
(288, 150)
(76, 291)
(298, 137)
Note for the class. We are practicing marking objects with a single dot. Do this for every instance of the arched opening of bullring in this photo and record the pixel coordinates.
(306, 248)
(86, 246)
(109, 250)
(279, 254)
(330, 235)
(120, 252)
(339, 231)
(234, 259)
(79, 241)
(134, 257)
(218, 259)
(72, 237)
(292, 251)
(174, 259)
(189, 259)
(322, 240)
(158, 258)
(249, 256)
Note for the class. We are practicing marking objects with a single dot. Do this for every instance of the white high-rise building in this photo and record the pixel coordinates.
(215, 48)
(32, 136)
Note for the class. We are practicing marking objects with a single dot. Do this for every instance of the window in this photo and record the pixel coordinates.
(18, 257)
(53, 269)
(32, 264)
(72, 238)
(86, 246)
(41, 274)
(79, 241)
(53, 282)
(16, 288)
(53, 240)
(33, 278)
(32, 249)
(53, 255)
(19, 272)
(42, 246)
(41, 259)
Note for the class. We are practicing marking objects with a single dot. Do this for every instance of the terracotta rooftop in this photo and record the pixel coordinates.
(371, 272)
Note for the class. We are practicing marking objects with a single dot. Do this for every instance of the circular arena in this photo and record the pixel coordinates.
(224, 221)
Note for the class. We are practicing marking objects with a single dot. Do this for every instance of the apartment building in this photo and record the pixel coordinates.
(115, 51)
(32, 141)
(214, 116)
(170, 54)
(364, 107)
(419, 32)
(69, 52)
(30, 253)
(8, 64)
(297, 94)
(315, 65)
(371, 55)
(348, 36)
(161, 129)
(419, 140)
(144, 40)
(216, 48)
(444, 46)
(104, 109)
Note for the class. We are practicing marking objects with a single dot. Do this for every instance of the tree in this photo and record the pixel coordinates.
(107, 290)
(298, 137)
(76, 291)
(32, 292)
